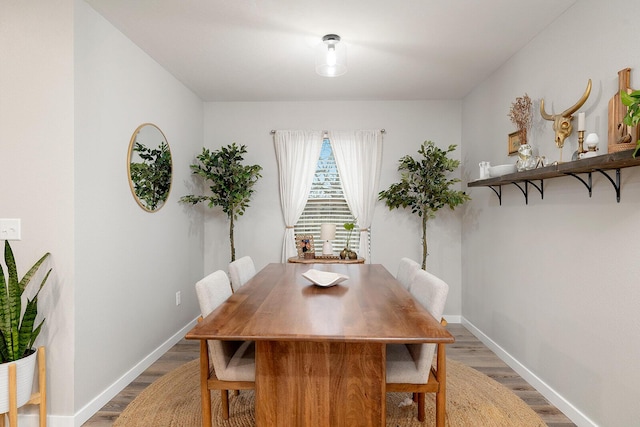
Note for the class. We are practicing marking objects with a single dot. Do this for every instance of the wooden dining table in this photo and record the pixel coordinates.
(320, 351)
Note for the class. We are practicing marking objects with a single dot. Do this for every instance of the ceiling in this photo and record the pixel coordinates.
(264, 50)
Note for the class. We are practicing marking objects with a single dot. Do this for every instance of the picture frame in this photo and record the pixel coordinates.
(514, 142)
(304, 244)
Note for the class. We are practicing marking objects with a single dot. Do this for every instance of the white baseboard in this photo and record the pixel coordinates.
(99, 401)
(549, 393)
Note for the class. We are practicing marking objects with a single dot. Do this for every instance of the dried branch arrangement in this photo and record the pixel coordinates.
(520, 115)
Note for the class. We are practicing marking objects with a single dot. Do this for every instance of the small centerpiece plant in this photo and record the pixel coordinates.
(347, 253)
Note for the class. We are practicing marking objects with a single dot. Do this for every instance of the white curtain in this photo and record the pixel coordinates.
(358, 157)
(297, 152)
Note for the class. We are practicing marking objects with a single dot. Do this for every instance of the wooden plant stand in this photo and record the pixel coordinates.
(37, 398)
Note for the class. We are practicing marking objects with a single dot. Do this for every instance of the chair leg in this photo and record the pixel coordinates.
(2, 420)
(421, 407)
(236, 392)
(415, 397)
(224, 397)
(441, 394)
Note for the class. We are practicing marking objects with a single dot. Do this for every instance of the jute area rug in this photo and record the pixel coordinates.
(473, 399)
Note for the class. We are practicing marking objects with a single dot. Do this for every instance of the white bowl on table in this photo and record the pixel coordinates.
(499, 170)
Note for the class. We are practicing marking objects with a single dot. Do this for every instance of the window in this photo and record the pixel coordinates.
(326, 204)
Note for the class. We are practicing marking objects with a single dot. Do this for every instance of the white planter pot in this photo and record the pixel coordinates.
(25, 369)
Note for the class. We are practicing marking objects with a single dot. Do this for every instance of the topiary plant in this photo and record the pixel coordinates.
(17, 333)
(424, 187)
(231, 183)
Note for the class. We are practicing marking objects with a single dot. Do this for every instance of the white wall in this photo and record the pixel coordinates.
(554, 284)
(36, 166)
(395, 234)
(129, 263)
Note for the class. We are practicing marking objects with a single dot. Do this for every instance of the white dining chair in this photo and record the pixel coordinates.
(241, 270)
(409, 366)
(407, 271)
(233, 362)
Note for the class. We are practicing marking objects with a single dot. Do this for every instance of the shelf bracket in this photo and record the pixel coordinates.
(525, 190)
(498, 192)
(589, 185)
(616, 184)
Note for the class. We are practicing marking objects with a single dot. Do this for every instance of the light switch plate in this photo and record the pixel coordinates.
(10, 229)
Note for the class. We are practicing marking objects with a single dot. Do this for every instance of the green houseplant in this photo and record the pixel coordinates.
(632, 118)
(18, 330)
(424, 187)
(347, 253)
(231, 183)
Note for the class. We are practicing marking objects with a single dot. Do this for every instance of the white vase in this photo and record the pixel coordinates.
(25, 369)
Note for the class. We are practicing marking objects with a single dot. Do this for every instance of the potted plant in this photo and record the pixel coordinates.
(632, 118)
(18, 331)
(347, 253)
(231, 183)
(424, 187)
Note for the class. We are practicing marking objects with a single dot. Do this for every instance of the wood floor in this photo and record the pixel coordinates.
(467, 349)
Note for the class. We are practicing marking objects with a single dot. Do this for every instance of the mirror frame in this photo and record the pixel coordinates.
(131, 151)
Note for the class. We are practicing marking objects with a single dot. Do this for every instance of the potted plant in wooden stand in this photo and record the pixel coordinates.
(18, 330)
(231, 183)
(424, 187)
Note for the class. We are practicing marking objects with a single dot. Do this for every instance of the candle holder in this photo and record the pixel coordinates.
(581, 142)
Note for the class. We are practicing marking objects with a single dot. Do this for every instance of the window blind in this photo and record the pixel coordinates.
(326, 204)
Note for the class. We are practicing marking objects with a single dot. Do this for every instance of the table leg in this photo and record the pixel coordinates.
(205, 394)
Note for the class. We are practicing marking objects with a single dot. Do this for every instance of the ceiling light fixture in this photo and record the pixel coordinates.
(331, 59)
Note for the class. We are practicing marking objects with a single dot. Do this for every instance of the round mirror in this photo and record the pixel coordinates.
(149, 167)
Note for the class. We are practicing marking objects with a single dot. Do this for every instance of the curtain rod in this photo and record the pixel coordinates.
(324, 131)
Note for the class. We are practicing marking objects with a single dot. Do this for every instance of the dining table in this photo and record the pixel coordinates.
(320, 351)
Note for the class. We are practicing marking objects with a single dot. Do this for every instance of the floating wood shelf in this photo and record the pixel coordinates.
(535, 177)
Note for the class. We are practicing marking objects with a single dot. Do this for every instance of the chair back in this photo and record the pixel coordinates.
(212, 291)
(431, 292)
(241, 270)
(407, 271)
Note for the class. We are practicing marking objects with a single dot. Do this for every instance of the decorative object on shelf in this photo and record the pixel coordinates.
(331, 59)
(347, 253)
(18, 328)
(623, 130)
(581, 128)
(520, 115)
(499, 170)
(327, 234)
(424, 186)
(562, 122)
(484, 170)
(231, 183)
(592, 146)
(149, 167)
(513, 142)
(526, 160)
(304, 245)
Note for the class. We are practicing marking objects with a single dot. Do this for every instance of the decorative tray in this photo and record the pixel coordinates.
(324, 278)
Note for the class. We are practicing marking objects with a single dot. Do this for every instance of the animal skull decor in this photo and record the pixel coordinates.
(562, 122)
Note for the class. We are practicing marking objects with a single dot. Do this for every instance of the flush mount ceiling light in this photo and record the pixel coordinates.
(331, 59)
